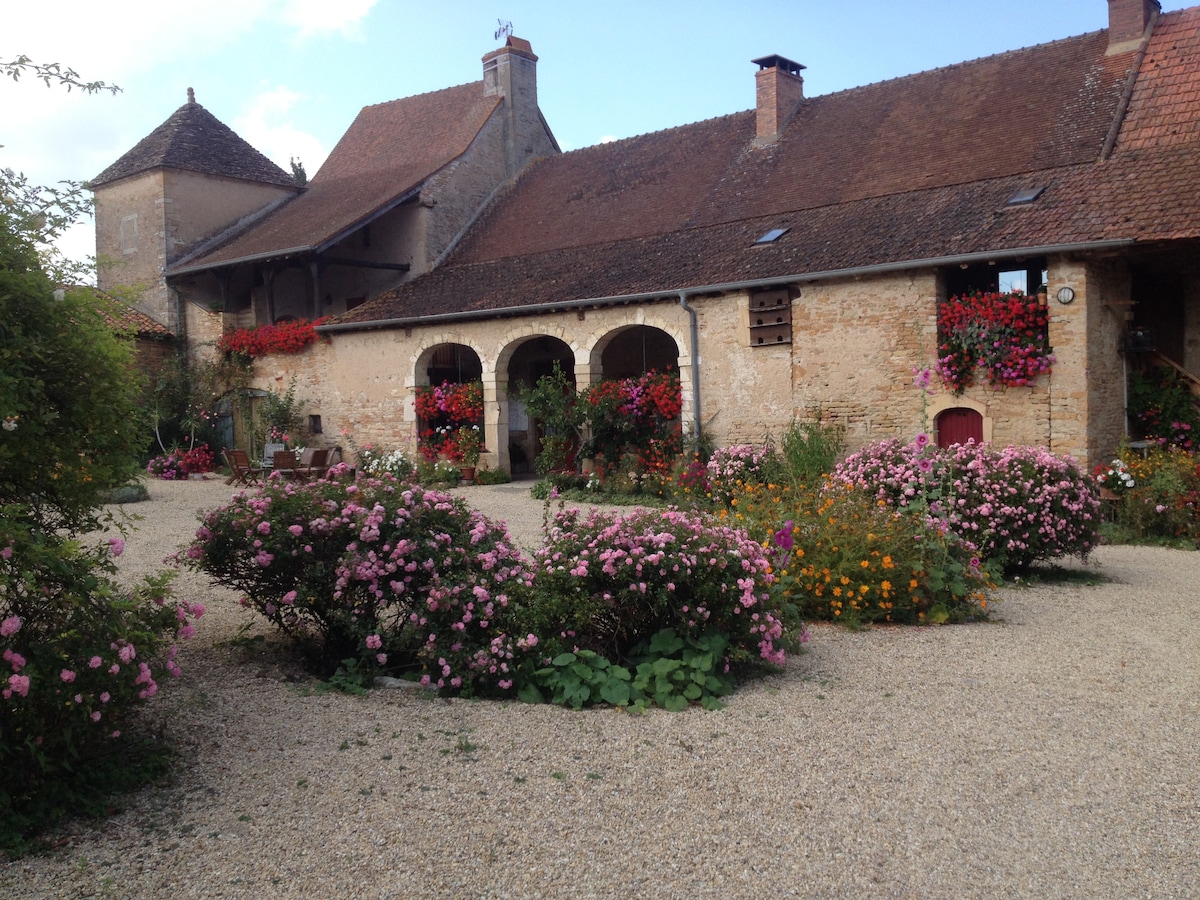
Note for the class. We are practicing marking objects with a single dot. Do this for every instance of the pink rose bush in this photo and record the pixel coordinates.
(1016, 505)
(385, 576)
(375, 572)
(617, 580)
(78, 655)
(728, 467)
(658, 606)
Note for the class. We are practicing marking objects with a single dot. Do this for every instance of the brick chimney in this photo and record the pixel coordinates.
(779, 89)
(1127, 23)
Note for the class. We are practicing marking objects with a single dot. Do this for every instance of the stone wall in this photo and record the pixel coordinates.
(855, 345)
(131, 242)
(148, 221)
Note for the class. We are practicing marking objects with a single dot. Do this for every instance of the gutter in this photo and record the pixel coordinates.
(726, 287)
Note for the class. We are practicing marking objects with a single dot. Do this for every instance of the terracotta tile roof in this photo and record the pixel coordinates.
(910, 169)
(390, 150)
(194, 140)
(1022, 111)
(1164, 110)
(120, 316)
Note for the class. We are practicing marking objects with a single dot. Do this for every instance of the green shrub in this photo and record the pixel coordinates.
(492, 476)
(79, 654)
(1164, 503)
(669, 671)
(808, 451)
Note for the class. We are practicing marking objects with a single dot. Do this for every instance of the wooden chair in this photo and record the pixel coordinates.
(242, 472)
(285, 463)
(313, 463)
(268, 457)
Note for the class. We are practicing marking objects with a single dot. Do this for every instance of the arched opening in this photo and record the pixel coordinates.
(535, 358)
(445, 416)
(455, 363)
(638, 349)
(958, 425)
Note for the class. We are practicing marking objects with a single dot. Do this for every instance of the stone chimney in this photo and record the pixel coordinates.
(511, 72)
(779, 89)
(1127, 23)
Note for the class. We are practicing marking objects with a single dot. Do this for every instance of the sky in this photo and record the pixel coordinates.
(289, 76)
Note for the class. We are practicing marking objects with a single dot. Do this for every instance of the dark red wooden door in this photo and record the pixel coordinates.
(959, 425)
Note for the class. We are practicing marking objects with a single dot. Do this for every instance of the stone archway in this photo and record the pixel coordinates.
(446, 362)
(531, 358)
(633, 350)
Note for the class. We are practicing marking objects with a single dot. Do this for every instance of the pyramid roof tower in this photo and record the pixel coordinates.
(194, 140)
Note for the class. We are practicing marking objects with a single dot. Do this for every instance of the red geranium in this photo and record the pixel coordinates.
(263, 340)
(1005, 335)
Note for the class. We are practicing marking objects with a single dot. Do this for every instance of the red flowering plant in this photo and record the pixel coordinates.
(445, 412)
(1001, 338)
(635, 419)
(263, 340)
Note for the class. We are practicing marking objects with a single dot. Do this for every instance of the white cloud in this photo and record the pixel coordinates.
(266, 124)
(314, 17)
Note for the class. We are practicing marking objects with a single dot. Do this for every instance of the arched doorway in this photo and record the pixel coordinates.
(536, 357)
(958, 425)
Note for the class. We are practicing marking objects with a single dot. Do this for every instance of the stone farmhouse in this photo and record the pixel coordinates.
(787, 260)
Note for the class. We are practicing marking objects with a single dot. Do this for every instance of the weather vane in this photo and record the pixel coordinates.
(505, 29)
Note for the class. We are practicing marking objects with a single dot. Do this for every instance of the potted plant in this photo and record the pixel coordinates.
(468, 444)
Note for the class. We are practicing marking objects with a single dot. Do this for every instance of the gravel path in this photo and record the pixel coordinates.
(1053, 753)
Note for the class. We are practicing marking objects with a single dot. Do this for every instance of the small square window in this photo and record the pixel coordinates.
(314, 424)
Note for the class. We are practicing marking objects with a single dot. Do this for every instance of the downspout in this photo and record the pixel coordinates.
(694, 351)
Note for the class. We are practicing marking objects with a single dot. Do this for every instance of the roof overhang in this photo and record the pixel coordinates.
(727, 287)
(321, 247)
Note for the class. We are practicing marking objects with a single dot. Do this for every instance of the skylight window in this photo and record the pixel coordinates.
(1024, 196)
(772, 236)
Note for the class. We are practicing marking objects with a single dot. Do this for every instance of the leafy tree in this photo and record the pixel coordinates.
(554, 403)
(69, 426)
(298, 173)
(51, 74)
(68, 395)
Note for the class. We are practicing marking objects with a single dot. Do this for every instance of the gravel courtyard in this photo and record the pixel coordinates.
(1054, 752)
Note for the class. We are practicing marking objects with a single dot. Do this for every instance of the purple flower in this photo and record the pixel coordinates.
(783, 537)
